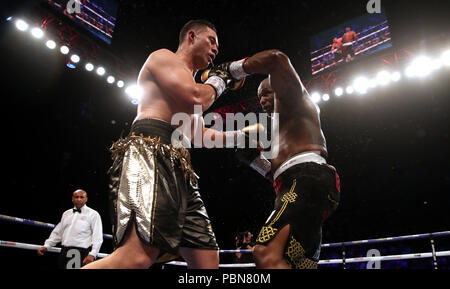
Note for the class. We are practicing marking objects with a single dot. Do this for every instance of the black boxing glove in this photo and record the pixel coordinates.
(254, 159)
(248, 150)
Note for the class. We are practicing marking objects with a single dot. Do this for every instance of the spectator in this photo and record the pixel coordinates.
(244, 241)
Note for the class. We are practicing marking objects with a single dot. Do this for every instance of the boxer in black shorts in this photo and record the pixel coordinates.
(348, 40)
(307, 188)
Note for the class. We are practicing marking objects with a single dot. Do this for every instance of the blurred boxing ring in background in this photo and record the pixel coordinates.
(433, 251)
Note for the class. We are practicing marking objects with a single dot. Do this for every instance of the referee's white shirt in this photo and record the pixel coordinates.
(78, 230)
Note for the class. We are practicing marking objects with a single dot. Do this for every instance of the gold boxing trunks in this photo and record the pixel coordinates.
(154, 186)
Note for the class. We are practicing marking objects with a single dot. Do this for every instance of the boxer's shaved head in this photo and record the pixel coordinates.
(266, 95)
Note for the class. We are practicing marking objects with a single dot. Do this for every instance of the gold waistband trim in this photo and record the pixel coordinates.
(179, 154)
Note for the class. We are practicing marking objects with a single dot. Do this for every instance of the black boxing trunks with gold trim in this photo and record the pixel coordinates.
(307, 194)
(154, 186)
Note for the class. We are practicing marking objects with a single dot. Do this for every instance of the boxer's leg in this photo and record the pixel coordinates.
(133, 254)
(271, 256)
(200, 258)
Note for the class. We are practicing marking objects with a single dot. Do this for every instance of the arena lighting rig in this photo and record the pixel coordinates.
(420, 67)
(74, 60)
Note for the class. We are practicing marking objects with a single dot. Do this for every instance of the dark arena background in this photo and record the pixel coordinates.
(385, 116)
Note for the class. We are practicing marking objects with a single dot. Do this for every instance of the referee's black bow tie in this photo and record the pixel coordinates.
(77, 210)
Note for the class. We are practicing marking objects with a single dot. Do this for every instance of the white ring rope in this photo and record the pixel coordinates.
(248, 265)
(339, 244)
(33, 247)
(321, 262)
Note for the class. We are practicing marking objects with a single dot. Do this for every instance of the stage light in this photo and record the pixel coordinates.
(361, 84)
(134, 92)
(89, 66)
(110, 79)
(424, 66)
(409, 71)
(383, 78)
(101, 71)
(120, 83)
(339, 91)
(326, 97)
(75, 58)
(315, 97)
(373, 83)
(9, 18)
(64, 49)
(445, 58)
(37, 32)
(396, 76)
(21, 25)
(50, 44)
(420, 67)
(349, 90)
(436, 64)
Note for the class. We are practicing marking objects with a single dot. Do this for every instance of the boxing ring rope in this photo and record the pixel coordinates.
(359, 40)
(356, 53)
(87, 22)
(359, 33)
(36, 223)
(382, 240)
(81, 4)
(324, 51)
(343, 260)
(33, 247)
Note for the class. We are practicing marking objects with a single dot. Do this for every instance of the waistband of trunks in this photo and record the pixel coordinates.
(305, 157)
(152, 127)
(156, 135)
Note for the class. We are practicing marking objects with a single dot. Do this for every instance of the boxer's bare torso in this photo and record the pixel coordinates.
(298, 126)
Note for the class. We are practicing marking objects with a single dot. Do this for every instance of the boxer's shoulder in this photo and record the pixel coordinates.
(162, 58)
(162, 55)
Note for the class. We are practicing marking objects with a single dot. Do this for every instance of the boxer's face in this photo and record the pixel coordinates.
(266, 96)
(206, 47)
(79, 198)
